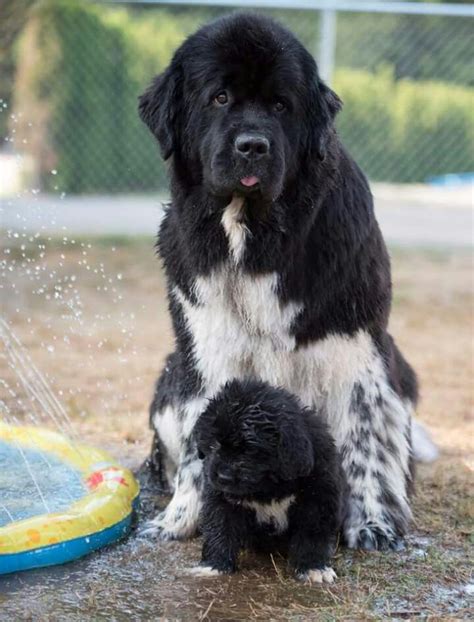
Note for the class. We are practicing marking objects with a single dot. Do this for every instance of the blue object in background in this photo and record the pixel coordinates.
(452, 179)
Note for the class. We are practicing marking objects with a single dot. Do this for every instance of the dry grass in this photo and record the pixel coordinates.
(102, 339)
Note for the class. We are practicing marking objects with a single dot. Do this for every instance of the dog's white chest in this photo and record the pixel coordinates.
(274, 514)
(238, 326)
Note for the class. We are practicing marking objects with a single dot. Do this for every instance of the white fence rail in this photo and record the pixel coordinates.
(356, 6)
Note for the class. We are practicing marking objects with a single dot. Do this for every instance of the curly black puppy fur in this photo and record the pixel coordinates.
(272, 477)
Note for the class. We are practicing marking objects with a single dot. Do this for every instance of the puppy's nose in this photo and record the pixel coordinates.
(252, 146)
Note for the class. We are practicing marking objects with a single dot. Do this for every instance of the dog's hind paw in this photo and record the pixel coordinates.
(318, 575)
(374, 538)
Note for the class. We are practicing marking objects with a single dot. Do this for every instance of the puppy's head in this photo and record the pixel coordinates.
(241, 108)
(253, 438)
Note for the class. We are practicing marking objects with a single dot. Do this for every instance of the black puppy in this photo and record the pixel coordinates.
(272, 476)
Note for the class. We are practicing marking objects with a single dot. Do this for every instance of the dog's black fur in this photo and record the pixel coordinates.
(310, 224)
(260, 445)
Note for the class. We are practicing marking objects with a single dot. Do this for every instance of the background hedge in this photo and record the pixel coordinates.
(405, 131)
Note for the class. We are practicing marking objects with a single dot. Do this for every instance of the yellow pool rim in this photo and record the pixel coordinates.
(112, 494)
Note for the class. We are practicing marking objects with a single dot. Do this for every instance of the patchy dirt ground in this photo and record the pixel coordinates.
(92, 316)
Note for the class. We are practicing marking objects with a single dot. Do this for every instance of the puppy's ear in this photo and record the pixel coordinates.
(295, 452)
(204, 432)
(200, 438)
(325, 105)
(159, 106)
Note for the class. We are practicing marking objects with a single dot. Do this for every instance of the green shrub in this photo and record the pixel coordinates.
(405, 131)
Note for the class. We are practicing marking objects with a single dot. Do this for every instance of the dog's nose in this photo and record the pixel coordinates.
(252, 146)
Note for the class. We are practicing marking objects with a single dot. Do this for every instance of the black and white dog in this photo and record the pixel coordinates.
(276, 268)
(272, 478)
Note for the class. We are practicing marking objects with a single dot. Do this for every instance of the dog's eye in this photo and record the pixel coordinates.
(221, 98)
(279, 106)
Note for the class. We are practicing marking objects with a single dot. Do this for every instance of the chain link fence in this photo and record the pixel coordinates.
(406, 81)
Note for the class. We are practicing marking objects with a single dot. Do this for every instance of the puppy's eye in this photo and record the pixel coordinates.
(279, 106)
(221, 98)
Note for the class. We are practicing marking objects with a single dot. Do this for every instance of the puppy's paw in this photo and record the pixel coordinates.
(375, 538)
(205, 571)
(318, 575)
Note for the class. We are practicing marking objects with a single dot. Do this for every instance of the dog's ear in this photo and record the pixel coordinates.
(325, 105)
(295, 452)
(159, 107)
(331, 104)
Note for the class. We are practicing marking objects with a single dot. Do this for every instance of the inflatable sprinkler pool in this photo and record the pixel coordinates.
(58, 500)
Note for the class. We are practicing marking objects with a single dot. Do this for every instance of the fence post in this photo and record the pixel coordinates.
(327, 45)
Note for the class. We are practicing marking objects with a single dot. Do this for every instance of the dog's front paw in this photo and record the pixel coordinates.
(376, 538)
(179, 520)
(204, 570)
(169, 526)
(155, 528)
(318, 575)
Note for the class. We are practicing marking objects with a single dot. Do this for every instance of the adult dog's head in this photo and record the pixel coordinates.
(241, 108)
(255, 440)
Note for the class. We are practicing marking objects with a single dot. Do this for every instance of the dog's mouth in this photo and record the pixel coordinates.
(232, 489)
(237, 491)
(249, 185)
(250, 182)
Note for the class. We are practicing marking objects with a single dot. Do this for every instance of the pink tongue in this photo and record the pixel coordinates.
(249, 181)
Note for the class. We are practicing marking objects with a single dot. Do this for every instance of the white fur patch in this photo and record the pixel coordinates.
(172, 429)
(192, 410)
(234, 227)
(166, 424)
(319, 576)
(239, 327)
(274, 513)
(204, 571)
(424, 449)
